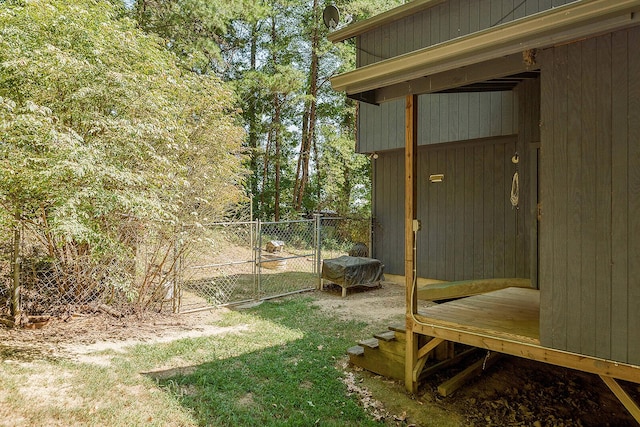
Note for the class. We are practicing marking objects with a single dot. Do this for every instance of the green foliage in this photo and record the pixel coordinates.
(195, 30)
(98, 124)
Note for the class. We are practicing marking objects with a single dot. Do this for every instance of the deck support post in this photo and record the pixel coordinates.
(410, 170)
(622, 396)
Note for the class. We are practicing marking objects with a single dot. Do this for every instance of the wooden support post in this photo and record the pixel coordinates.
(410, 170)
(422, 356)
(623, 397)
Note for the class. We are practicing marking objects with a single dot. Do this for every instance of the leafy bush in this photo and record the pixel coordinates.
(100, 127)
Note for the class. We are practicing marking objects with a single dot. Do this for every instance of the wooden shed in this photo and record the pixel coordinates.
(508, 131)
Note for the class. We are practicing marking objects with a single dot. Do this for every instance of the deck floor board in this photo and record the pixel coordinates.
(511, 313)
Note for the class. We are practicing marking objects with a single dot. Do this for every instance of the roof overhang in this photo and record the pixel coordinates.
(556, 26)
(381, 19)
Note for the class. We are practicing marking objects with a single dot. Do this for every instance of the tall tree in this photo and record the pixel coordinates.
(309, 115)
(99, 124)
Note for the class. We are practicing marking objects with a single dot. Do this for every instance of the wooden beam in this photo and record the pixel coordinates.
(465, 288)
(428, 347)
(448, 387)
(410, 194)
(531, 351)
(423, 354)
(432, 369)
(623, 397)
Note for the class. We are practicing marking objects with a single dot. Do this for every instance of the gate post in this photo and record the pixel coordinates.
(318, 265)
(258, 258)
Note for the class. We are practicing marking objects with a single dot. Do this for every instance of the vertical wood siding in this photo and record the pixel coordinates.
(443, 117)
(470, 230)
(443, 22)
(590, 195)
(388, 188)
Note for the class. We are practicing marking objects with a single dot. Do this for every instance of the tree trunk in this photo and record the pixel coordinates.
(309, 117)
(277, 137)
(253, 131)
(275, 125)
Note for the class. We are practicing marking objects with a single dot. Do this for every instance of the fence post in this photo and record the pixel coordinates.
(15, 289)
(258, 257)
(318, 217)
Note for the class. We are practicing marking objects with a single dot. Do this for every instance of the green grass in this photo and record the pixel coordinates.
(276, 364)
(280, 372)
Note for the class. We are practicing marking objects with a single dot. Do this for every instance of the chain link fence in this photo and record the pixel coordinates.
(165, 267)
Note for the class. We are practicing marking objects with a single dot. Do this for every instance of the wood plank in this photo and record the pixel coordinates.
(521, 239)
(356, 350)
(511, 313)
(474, 115)
(423, 211)
(435, 26)
(444, 21)
(574, 197)
(449, 213)
(411, 148)
(429, 347)
(622, 396)
(468, 212)
(370, 343)
(474, 16)
(380, 364)
(459, 214)
(472, 333)
(485, 14)
(464, 18)
(385, 336)
(454, 19)
(496, 13)
(478, 216)
(510, 217)
(488, 206)
(450, 386)
(603, 195)
(507, 11)
(588, 304)
(442, 214)
(458, 289)
(463, 116)
(634, 198)
(431, 221)
(432, 369)
(560, 194)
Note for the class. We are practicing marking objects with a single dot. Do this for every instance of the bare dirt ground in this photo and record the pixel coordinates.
(513, 392)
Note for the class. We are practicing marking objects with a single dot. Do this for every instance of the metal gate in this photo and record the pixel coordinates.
(234, 262)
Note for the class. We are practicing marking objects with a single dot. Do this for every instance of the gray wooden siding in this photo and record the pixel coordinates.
(590, 195)
(470, 229)
(528, 95)
(388, 232)
(443, 117)
(443, 22)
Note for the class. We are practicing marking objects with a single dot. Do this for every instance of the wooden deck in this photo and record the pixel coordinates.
(507, 321)
(511, 313)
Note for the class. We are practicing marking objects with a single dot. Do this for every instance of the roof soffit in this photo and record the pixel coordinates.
(559, 25)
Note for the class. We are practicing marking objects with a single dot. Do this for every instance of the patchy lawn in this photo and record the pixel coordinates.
(282, 362)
